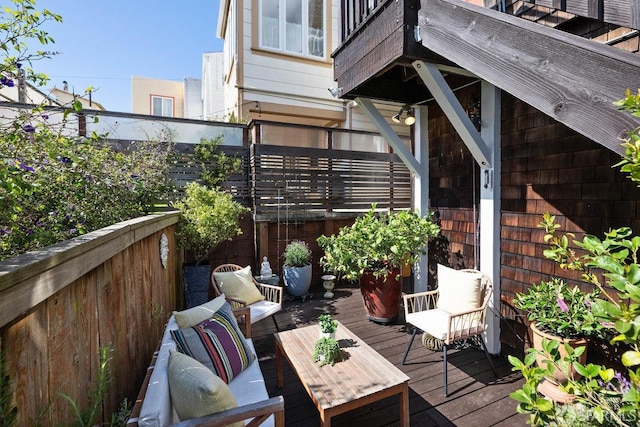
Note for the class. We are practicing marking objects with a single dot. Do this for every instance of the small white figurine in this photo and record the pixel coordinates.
(265, 271)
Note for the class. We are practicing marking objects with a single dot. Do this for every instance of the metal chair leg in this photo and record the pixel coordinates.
(486, 353)
(413, 335)
(444, 363)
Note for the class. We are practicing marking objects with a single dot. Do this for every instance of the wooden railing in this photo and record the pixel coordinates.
(354, 13)
(61, 304)
(306, 182)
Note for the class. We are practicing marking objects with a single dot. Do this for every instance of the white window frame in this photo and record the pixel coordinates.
(305, 30)
(163, 113)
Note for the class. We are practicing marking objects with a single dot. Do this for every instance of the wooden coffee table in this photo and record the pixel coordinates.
(362, 378)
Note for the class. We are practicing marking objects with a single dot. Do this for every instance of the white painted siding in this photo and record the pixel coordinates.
(213, 86)
(284, 79)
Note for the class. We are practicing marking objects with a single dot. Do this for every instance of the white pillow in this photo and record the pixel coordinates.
(239, 285)
(193, 316)
(458, 290)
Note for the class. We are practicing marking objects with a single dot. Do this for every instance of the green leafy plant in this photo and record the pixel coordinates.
(559, 309)
(53, 186)
(297, 254)
(327, 324)
(215, 164)
(611, 265)
(327, 351)
(377, 243)
(209, 217)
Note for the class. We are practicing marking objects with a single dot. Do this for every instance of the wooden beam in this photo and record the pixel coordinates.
(447, 100)
(569, 78)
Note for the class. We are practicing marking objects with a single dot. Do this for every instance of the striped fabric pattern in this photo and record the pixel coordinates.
(218, 344)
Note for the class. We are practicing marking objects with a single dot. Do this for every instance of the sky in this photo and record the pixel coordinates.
(103, 43)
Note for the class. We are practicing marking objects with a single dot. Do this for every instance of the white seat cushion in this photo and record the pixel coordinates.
(436, 322)
(263, 309)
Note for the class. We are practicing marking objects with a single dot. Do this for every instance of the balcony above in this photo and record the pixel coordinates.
(558, 56)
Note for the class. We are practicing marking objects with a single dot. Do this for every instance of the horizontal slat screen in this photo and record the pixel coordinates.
(186, 170)
(303, 182)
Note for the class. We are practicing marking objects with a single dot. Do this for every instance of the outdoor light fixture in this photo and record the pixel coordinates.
(336, 92)
(409, 117)
(474, 114)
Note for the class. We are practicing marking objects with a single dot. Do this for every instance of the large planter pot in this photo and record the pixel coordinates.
(558, 375)
(196, 284)
(297, 280)
(381, 297)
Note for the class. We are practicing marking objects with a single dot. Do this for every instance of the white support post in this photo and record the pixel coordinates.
(490, 208)
(421, 189)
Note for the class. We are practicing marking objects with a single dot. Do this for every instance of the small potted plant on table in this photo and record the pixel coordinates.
(328, 326)
(327, 351)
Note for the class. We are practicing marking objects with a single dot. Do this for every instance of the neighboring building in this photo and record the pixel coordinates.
(64, 97)
(157, 97)
(213, 86)
(25, 94)
(278, 65)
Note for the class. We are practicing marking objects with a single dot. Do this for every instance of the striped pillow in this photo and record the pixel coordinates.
(217, 343)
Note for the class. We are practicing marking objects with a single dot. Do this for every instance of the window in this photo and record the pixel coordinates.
(161, 106)
(293, 26)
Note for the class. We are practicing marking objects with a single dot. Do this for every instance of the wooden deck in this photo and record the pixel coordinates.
(477, 397)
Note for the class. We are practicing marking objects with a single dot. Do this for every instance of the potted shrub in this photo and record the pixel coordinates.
(328, 326)
(297, 268)
(327, 351)
(209, 216)
(373, 250)
(558, 312)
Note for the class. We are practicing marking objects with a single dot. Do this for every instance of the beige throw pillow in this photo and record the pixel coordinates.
(195, 315)
(238, 285)
(195, 390)
(458, 290)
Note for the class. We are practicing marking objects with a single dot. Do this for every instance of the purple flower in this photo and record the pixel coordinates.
(26, 168)
(65, 159)
(45, 116)
(19, 65)
(29, 128)
(562, 304)
(5, 81)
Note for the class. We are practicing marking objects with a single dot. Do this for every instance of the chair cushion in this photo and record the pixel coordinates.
(195, 390)
(263, 309)
(217, 343)
(458, 291)
(195, 315)
(436, 322)
(239, 285)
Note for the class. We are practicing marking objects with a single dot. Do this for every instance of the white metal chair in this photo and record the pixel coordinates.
(268, 307)
(423, 311)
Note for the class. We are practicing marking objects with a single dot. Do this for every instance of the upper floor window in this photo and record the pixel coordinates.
(161, 106)
(293, 26)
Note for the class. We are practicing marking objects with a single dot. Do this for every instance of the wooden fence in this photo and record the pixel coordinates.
(60, 305)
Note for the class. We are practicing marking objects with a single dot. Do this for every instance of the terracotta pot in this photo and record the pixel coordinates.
(381, 297)
(558, 375)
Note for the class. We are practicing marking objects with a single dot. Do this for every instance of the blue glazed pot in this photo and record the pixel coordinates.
(297, 280)
(196, 284)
